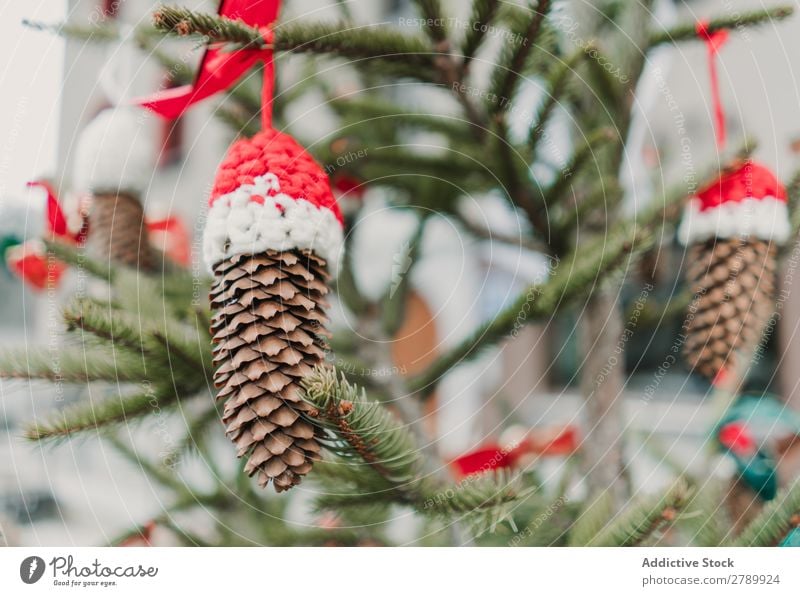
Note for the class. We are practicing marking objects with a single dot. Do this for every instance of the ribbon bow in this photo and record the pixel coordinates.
(219, 70)
(714, 41)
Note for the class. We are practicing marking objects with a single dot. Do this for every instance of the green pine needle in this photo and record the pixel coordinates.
(775, 520)
(91, 416)
(643, 519)
(361, 430)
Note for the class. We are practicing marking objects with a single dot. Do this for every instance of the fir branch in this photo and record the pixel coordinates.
(159, 473)
(793, 194)
(774, 521)
(361, 429)
(182, 350)
(431, 11)
(101, 32)
(573, 277)
(354, 42)
(197, 430)
(569, 217)
(395, 302)
(341, 39)
(508, 72)
(76, 257)
(707, 520)
(368, 109)
(214, 28)
(554, 89)
(448, 166)
(607, 87)
(591, 520)
(106, 324)
(643, 519)
(69, 365)
(688, 31)
(483, 13)
(580, 157)
(93, 416)
(483, 500)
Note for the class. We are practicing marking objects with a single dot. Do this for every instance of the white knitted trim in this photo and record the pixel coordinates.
(766, 218)
(237, 225)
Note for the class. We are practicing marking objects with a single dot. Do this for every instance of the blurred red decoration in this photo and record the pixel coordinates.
(143, 538)
(737, 439)
(31, 264)
(551, 441)
(170, 236)
(29, 261)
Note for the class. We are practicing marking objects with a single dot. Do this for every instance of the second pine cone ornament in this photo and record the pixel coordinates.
(273, 233)
(272, 230)
(731, 228)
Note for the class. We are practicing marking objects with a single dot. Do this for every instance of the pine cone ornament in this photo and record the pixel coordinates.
(273, 230)
(732, 229)
(118, 232)
(114, 162)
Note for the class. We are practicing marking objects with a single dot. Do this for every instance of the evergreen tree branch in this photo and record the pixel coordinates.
(69, 365)
(365, 110)
(641, 520)
(577, 275)
(483, 13)
(243, 124)
(707, 520)
(100, 32)
(214, 28)
(197, 430)
(688, 31)
(340, 39)
(431, 11)
(106, 324)
(793, 195)
(76, 257)
(569, 217)
(395, 302)
(581, 156)
(376, 461)
(774, 521)
(93, 416)
(361, 429)
(554, 89)
(605, 85)
(483, 501)
(512, 63)
(592, 520)
(159, 473)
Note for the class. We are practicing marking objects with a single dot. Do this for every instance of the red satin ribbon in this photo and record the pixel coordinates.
(714, 42)
(219, 70)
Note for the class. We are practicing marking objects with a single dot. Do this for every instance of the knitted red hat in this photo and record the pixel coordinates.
(270, 194)
(746, 201)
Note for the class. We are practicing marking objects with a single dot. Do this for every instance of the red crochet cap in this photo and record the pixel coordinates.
(270, 194)
(270, 151)
(749, 181)
(746, 201)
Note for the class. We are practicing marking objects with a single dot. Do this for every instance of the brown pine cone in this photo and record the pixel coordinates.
(118, 233)
(733, 281)
(268, 331)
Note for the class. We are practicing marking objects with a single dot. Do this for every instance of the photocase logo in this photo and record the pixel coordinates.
(31, 569)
